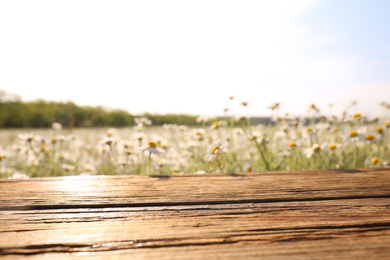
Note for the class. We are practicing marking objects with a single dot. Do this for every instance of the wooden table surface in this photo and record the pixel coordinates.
(336, 214)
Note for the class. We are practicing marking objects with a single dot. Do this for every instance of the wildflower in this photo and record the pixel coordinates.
(274, 106)
(18, 175)
(142, 121)
(3, 155)
(370, 138)
(56, 126)
(215, 125)
(242, 118)
(139, 136)
(202, 119)
(110, 132)
(151, 148)
(351, 136)
(357, 116)
(244, 104)
(108, 141)
(199, 134)
(27, 137)
(332, 147)
(372, 162)
(248, 167)
(256, 136)
(316, 148)
(314, 108)
(215, 149)
(292, 145)
(164, 146)
(387, 123)
(340, 165)
(68, 168)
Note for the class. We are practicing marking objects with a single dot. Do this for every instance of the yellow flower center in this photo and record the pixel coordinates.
(316, 148)
(53, 140)
(215, 123)
(292, 144)
(374, 160)
(152, 144)
(215, 149)
(379, 130)
(370, 137)
(109, 134)
(249, 169)
(1, 158)
(356, 115)
(308, 130)
(331, 146)
(352, 133)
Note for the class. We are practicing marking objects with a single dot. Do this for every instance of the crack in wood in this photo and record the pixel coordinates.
(181, 203)
(296, 234)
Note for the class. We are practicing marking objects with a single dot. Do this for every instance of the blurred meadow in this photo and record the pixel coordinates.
(228, 144)
(165, 63)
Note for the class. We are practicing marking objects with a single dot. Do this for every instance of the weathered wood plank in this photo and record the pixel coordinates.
(361, 248)
(273, 215)
(100, 230)
(116, 191)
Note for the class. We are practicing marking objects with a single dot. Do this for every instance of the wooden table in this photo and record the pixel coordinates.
(272, 215)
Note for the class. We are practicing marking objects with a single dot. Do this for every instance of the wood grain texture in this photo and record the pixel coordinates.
(273, 215)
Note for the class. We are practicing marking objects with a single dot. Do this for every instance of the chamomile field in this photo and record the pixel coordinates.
(350, 140)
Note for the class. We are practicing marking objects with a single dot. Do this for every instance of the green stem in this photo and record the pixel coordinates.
(115, 159)
(150, 163)
(322, 161)
(265, 162)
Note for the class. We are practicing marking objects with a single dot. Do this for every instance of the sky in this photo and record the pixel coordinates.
(179, 56)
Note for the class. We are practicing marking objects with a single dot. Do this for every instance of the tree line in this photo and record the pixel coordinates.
(15, 113)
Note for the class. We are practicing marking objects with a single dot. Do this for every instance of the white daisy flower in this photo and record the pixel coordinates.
(316, 148)
(151, 148)
(215, 149)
